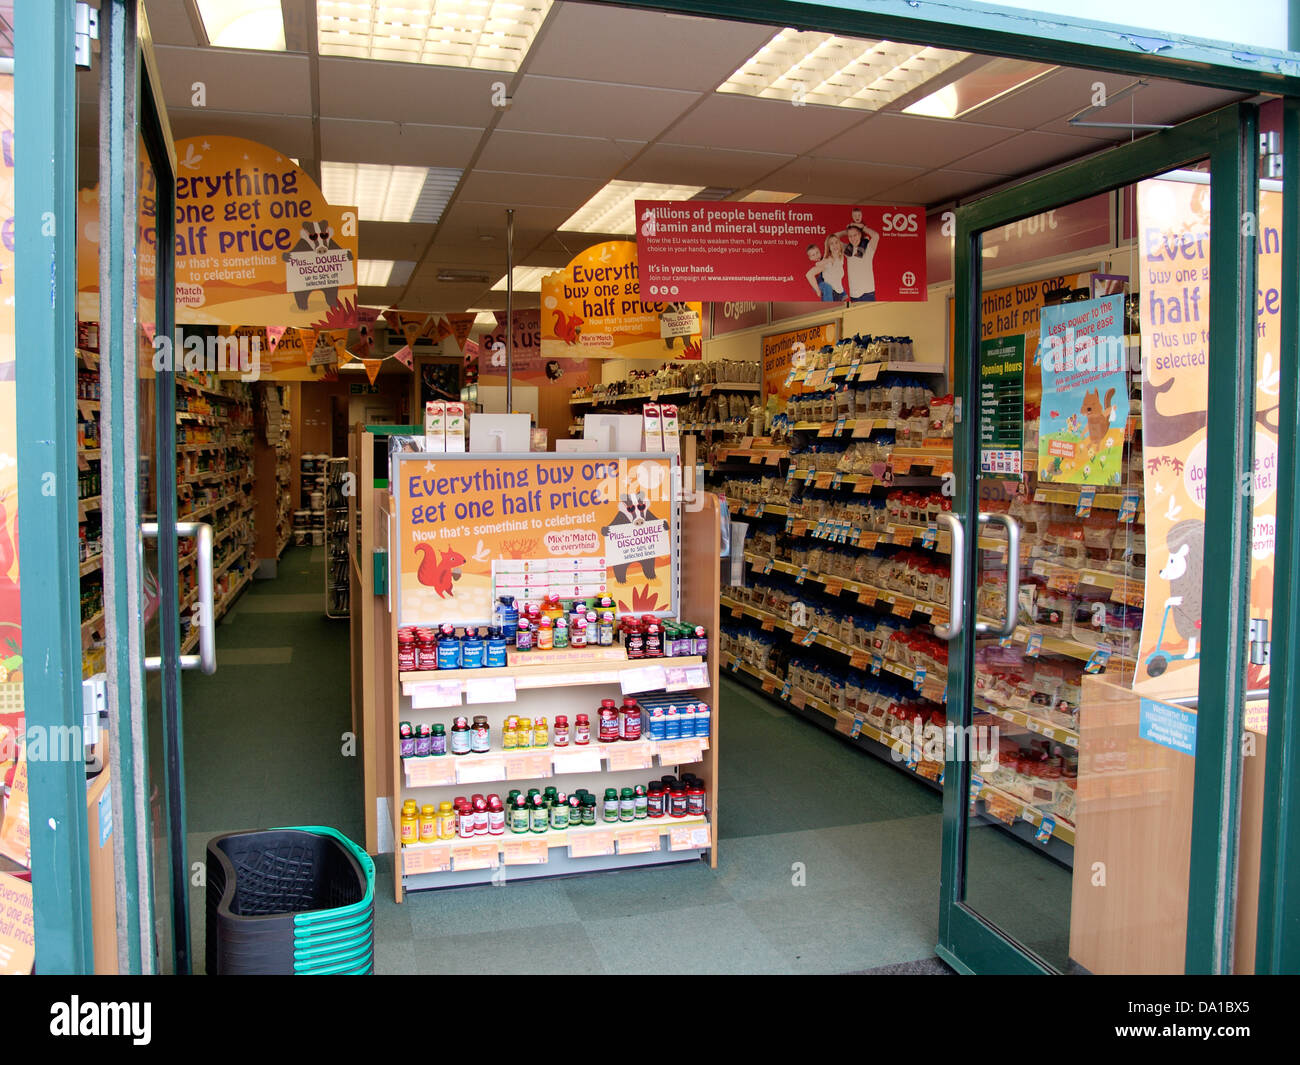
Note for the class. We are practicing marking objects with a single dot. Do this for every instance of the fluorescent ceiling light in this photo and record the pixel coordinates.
(527, 278)
(382, 272)
(255, 24)
(819, 68)
(352, 365)
(486, 319)
(384, 193)
(764, 196)
(613, 208)
(993, 80)
(478, 34)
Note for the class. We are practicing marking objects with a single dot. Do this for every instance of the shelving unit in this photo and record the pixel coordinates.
(273, 474)
(337, 578)
(88, 514)
(693, 399)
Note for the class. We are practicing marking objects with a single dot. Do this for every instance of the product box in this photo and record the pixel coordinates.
(457, 426)
(499, 432)
(652, 428)
(671, 431)
(613, 432)
(435, 426)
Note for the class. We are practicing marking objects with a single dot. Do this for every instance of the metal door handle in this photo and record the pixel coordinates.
(1008, 626)
(956, 578)
(206, 659)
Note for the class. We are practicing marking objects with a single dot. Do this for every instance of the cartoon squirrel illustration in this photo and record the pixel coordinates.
(315, 237)
(632, 510)
(1098, 415)
(438, 573)
(567, 327)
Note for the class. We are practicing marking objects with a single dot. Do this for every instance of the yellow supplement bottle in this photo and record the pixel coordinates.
(541, 734)
(428, 824)
(410, 823)
(446, 821)
(525, 733)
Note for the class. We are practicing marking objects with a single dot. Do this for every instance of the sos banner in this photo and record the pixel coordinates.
(831, 253)
(474, 527)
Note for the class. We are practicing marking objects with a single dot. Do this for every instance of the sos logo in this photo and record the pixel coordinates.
(899, 223)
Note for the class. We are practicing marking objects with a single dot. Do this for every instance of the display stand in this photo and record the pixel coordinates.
(274, 475)
(535, 686)
(337, 528)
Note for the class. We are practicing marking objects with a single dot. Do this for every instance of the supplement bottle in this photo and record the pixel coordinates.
(410, 823)
(581, 731)
(460, 738)
(609, 728)
(480, 816)
(629, 723)
(655, 799)
(560, 813)
(677, 801)
(642, 803)
(539, 816)
(509, 615)
(406, 739)
(607, 629)
(695, 804)
(627, 805)
(446, 820)
(524, 635)
(428, 824)
(519, 819)
(465, 820)
(438, 741)
(473, 650)
(560, 736)
(496, 649)
(509, 735)
(578, 633)
(423, 741)
(525, 733)
(545, 635)
(609, 809)
(496, 816)
(406, 651)
(480, 736)
(560, 637)
(448, 649)
(541, 734)
(426, 649)
(589, 811)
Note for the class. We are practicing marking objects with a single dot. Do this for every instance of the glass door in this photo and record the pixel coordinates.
(142, 563)
(1098, 683)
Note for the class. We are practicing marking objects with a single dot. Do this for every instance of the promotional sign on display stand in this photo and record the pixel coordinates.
(833, 253)
(471, 525)
(785, 356)
(1084, 364)
(1174, 229)
(596, 308)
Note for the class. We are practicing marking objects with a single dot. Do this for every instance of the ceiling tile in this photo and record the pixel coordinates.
(1059, 94)
(276, 131)
(591, 109)
(836, 180)
(509, 188)
(265, 82)
(688, 164)
(377, 296)
(491, 217)
(938, 186)
(1028, 152)
(393, 240)
(669, 52)
(406, 92)
(401, 144)
(550, 153)
(725, 120)
(914, 140)
(169, 23)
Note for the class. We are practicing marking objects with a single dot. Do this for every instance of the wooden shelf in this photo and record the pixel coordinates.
(91, 564)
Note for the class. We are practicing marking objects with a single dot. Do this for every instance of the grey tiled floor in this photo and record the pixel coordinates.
(828, 859)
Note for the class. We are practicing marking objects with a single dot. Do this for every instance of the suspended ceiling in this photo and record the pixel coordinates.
(606, 93)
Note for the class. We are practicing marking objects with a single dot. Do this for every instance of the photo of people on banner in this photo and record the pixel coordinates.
(842, 267)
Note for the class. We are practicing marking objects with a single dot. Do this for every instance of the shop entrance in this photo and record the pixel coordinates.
(1098, 679)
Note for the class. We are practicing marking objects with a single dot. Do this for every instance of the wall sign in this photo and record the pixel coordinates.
(1002, 407)
(781, 251)
(785, 356)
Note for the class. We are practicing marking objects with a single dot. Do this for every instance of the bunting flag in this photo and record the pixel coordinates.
(293, 352)
(273, 335)
(323, 352)
(366, 319)
(372, 368)
(461, 324)
(409, 323)
(405, 356)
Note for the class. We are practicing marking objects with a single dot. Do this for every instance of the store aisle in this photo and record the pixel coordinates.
(264, 734)
(829, 863)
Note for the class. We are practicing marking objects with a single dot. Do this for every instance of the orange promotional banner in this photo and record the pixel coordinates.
(785, 356)
(461, 324)
(291, 357)
(409, 323)
(17, 926)
(472, 528)
(372, 368)
(1174, 241)
(593, 308)
(256, 242)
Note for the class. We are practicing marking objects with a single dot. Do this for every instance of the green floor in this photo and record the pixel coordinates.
(828, 859)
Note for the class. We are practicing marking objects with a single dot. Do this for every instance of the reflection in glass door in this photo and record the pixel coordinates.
(1082, 764)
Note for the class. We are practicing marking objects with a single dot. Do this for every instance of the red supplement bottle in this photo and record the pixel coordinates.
(581, 730)
(609, 727)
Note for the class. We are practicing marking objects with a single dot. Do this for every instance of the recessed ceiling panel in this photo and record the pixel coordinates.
(1028, 152)
(401, 144)
(267, 83)
(393, 240)
(716, 167)
(678, 53)
(549, 153)
(401, 92)
(291, 138)
(509, 189)
(836, 180)
(916, 141)
(938, 186)
(761, 125)
(591, 109)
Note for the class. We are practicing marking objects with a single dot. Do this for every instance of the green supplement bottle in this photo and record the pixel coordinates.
(560, 813)
(518, 815)
(627, 805)
(609, 810)
(588, 811)
(642, 802)
(539, 815)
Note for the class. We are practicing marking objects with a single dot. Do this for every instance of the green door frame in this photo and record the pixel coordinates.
(45, 227)
(1228, 138)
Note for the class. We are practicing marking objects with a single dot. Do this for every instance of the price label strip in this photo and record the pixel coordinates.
(1086, 496)
(1128, 508)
